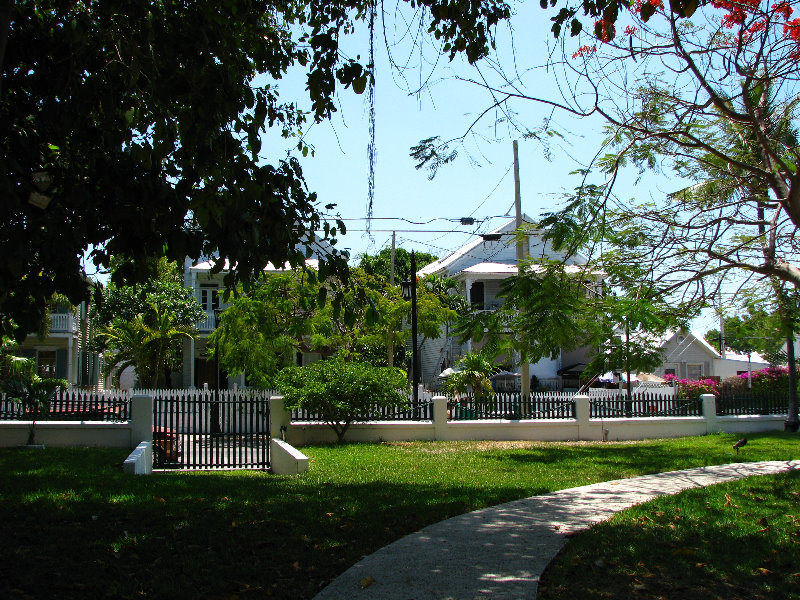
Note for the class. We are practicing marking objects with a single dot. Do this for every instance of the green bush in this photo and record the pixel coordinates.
(343, 392)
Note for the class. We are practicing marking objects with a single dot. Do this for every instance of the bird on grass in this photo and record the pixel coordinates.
(739, 444)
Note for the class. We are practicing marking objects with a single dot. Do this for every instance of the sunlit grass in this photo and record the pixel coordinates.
(70, 520)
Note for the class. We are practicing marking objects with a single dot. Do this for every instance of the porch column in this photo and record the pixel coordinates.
(188, 364)
(468, 283)
(70, 361)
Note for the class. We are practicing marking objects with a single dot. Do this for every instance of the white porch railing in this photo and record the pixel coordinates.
(63, 323)
(207, 323)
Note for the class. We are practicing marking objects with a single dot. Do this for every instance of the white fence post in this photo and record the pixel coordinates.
(279, 418)
(141, 420)
(439, 417)
(582, 413)
(709, 412)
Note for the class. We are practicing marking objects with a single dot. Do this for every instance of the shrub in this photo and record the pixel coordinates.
(692, 388)
(769, 379)
(343, 392)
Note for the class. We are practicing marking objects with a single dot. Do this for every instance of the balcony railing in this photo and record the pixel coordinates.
(206, 324)
(63, 323)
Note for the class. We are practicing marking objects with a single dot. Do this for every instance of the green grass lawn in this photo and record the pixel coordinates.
(737, 541)
(73, 525)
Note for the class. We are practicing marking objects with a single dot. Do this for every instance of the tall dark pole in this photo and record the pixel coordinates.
(628, 358)
(216, 429)
(791, 424)
(414, 355)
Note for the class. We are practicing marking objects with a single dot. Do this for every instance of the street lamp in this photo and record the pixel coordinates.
(216, 429)
(409, 288)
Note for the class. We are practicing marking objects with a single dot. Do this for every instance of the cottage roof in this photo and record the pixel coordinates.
(473, 258)
(441, 266)
(689, 338)
(311, 263)
(488, 270)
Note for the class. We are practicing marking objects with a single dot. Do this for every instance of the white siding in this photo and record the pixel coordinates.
(681, 352)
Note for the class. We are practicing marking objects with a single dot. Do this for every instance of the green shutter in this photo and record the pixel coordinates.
(61, 364)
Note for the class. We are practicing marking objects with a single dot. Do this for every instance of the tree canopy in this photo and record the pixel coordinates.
(759, 326)
(380, 264)
(143, 325)
(135, 129)
(285, 313)
(164, 289)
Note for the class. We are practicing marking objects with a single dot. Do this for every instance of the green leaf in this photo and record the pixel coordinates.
(360, 84)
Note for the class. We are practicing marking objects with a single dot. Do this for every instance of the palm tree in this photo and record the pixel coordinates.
(474, 370)
(12, 365)
(148, 343)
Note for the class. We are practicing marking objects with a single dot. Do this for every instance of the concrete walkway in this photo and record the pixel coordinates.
(500, 552)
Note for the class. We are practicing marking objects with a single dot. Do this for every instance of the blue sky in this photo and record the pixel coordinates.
(478, 184)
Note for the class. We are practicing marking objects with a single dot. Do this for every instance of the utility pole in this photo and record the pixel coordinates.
(525, 374)
(390, 345)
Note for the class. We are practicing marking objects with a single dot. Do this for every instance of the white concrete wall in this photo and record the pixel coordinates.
(103, 434)
(580, 428)
(69, 433)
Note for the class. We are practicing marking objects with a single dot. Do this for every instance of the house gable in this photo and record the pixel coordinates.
(494, 255)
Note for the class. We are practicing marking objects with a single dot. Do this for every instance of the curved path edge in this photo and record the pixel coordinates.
(501, 551)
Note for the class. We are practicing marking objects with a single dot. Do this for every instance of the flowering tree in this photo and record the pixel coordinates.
(774, 378)
(692, 388)
(708, 98)
(706, 91)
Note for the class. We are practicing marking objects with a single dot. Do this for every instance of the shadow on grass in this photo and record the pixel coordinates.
(74, 526)
(737, 541)
(94, 532)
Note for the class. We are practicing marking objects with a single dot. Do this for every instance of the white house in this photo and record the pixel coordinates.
(480, 267)
(688, 355)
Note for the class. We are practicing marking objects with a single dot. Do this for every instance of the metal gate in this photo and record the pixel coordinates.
(211, 429)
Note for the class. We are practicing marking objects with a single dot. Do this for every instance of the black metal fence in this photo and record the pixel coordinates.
(206, 429)
(542, 405)
(643, 404)
(74, 405)
(422, 412)
(743, 402)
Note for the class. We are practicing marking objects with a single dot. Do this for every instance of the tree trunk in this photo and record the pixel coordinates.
(791, 423)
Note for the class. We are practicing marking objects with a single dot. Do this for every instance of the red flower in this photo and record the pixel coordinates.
(584, 50)
(783, 9)
(792, 29)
